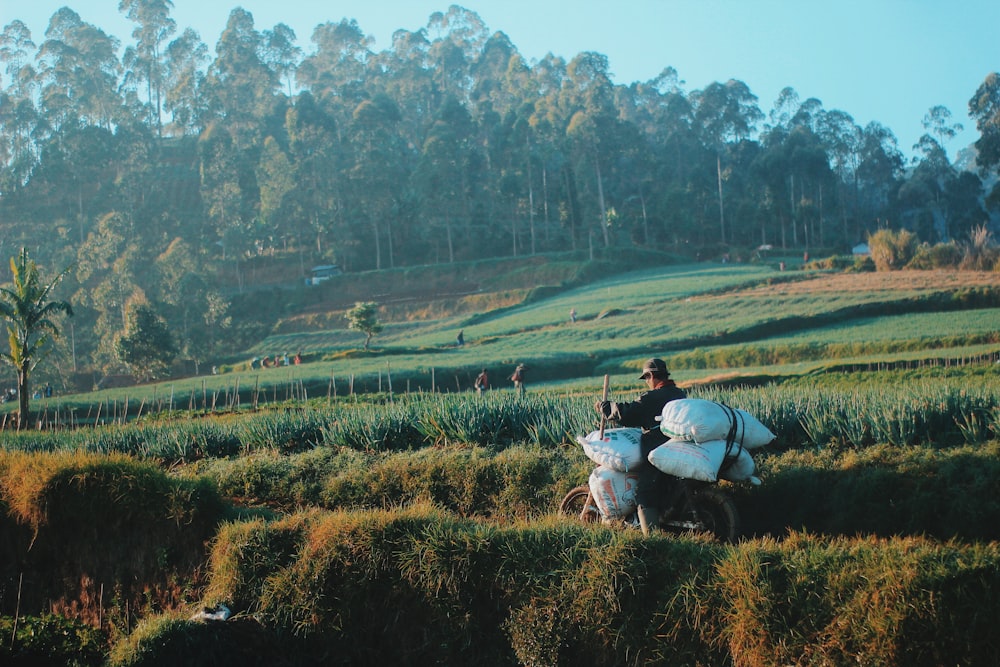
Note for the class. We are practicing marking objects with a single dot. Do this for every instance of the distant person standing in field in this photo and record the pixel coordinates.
(482, 382)
(518, 378)
(572, 315)
(460, 340)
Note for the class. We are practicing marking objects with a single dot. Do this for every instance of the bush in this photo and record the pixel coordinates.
(891, 251)
(169, 640)
(79, 523)
(50, 640)
(449, 591)
(938, 256)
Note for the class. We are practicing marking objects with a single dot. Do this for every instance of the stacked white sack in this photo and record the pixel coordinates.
(618, 449)
(741, 469)
(690, 460)
(613, 491)
(701, 420)
(702, 461)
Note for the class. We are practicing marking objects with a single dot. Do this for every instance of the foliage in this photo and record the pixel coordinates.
(982, 252)
(892, 250)
(558, 593)
(85, 521)
(30, 318)
(364, 317)
(939, 256)
(147, 346)
(170, 639)
(50, 639)
(194, 176)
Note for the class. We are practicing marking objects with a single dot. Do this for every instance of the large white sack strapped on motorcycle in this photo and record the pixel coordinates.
(740, 469)
(690, 460)
(618, 449)
(704, 461)
(613, 491)
(700, 420)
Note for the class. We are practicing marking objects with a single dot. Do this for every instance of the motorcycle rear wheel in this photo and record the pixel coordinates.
(575, 505)
(714, 512)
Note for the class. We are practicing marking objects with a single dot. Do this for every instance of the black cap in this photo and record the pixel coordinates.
(653, 367)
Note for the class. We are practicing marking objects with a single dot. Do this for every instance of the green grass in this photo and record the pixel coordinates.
(873, 534)
(709, 318)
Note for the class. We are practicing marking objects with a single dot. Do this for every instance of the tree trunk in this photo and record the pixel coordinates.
(23, 409)
(718, 175)
(604, 208)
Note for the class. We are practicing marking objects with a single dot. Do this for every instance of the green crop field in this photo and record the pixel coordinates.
(365, 495)
(706, 319)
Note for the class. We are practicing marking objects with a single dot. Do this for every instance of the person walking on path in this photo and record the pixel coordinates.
(651, 485)
(518, 378)
(460, 340)
(482, 382)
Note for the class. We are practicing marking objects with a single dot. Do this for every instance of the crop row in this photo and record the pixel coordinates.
(932, 411)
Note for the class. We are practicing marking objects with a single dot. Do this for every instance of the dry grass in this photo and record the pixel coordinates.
(882, 281)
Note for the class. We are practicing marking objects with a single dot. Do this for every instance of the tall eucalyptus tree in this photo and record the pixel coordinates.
(18, 116)
(184, 78)
(144, 62)
(240, 85)
(335, 73)
(78, 72)
(314, 148)
(458, 39)
(725, 113)
(843, 141)
(376, 170)
(587, 99)
(880, 172)
(16, 50)
(444, 172)
(282, 54)
(984, 107)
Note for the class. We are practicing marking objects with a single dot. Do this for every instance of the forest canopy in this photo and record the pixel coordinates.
(158, 168)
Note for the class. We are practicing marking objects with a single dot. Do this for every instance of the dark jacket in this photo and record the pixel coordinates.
(643, 412)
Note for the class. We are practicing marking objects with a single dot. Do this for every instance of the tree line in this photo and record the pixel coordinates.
(156, 167)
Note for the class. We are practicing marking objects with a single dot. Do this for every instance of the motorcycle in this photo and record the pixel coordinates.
(692, 506)
(708, 442)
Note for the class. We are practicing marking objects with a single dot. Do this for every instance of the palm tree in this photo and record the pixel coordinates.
(30, 328)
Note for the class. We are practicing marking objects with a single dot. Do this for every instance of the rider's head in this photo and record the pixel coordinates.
(654, 372)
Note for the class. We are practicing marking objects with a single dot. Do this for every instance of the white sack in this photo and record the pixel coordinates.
(690, 460)
(613, 491)
(700, 420)
(741, 469)
(618, 450)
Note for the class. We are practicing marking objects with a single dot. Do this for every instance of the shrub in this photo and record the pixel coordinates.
(50, 640)
(100, 522)
(449, 591)
(938, 256)
(890, 251)
(169, 640)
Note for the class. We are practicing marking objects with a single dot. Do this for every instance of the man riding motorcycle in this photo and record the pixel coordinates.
(642, 413)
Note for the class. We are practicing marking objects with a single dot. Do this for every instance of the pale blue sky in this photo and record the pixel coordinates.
(878, 60)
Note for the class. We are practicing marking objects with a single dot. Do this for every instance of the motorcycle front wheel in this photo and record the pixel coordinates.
(579, 504)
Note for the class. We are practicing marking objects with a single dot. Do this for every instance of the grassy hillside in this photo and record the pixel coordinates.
(712, 322)
(329, 522)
